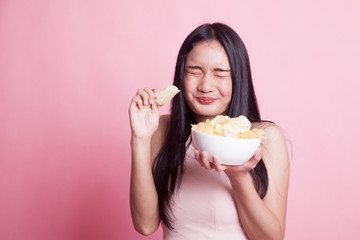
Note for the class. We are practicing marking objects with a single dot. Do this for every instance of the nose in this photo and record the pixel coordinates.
(206, 83)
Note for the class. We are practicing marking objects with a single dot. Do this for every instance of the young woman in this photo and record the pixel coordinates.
(176, 185)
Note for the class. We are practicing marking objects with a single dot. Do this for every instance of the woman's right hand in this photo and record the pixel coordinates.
(144, 113)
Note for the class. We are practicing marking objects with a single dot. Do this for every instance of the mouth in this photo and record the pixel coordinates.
(206, 100)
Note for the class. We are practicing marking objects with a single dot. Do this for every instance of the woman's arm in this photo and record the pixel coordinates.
(265, 219)
(146, 139)
(143, 195)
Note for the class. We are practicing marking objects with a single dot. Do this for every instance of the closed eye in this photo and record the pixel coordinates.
(219, 72)
(193, 70)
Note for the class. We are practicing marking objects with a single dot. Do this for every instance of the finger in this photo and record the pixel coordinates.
(144, 96)
(205, 161)
(217, 165)
(251, 164)
(197, 157)
(154, 107)
(151, 95)
(156, 92)
(257, 154)
(137, 101)
(197, 154)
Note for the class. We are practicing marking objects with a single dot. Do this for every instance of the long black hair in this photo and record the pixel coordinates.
(168, 167)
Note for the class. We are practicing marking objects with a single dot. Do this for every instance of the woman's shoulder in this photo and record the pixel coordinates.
(274, 143)
(263, 124)
(271, 129)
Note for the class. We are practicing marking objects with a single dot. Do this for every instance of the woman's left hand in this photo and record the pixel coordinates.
(203, 160)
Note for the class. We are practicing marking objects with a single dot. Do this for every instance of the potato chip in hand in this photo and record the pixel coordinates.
(166, 95)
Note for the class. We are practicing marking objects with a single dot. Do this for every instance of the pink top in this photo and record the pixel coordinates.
(203, 206)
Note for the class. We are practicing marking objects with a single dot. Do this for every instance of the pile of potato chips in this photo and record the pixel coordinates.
(239, 127)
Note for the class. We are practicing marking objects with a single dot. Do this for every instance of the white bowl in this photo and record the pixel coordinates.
(230, 151)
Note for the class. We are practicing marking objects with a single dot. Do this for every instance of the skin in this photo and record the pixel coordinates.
(207, 80)
(208, 91)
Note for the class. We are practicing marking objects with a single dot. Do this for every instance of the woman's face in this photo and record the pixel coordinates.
(207, 80)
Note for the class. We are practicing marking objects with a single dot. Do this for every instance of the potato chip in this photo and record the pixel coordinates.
(238, 127)
(166, 95)
(255, 133)
(241, 123)
(221, 119)
(218, 129)
(229, 129)
(208, 129)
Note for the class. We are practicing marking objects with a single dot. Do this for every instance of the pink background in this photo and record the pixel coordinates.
(68, 70)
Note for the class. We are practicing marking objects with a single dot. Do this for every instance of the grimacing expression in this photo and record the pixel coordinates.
(207, 80)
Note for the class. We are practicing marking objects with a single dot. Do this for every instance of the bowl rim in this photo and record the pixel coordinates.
(224, 137)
